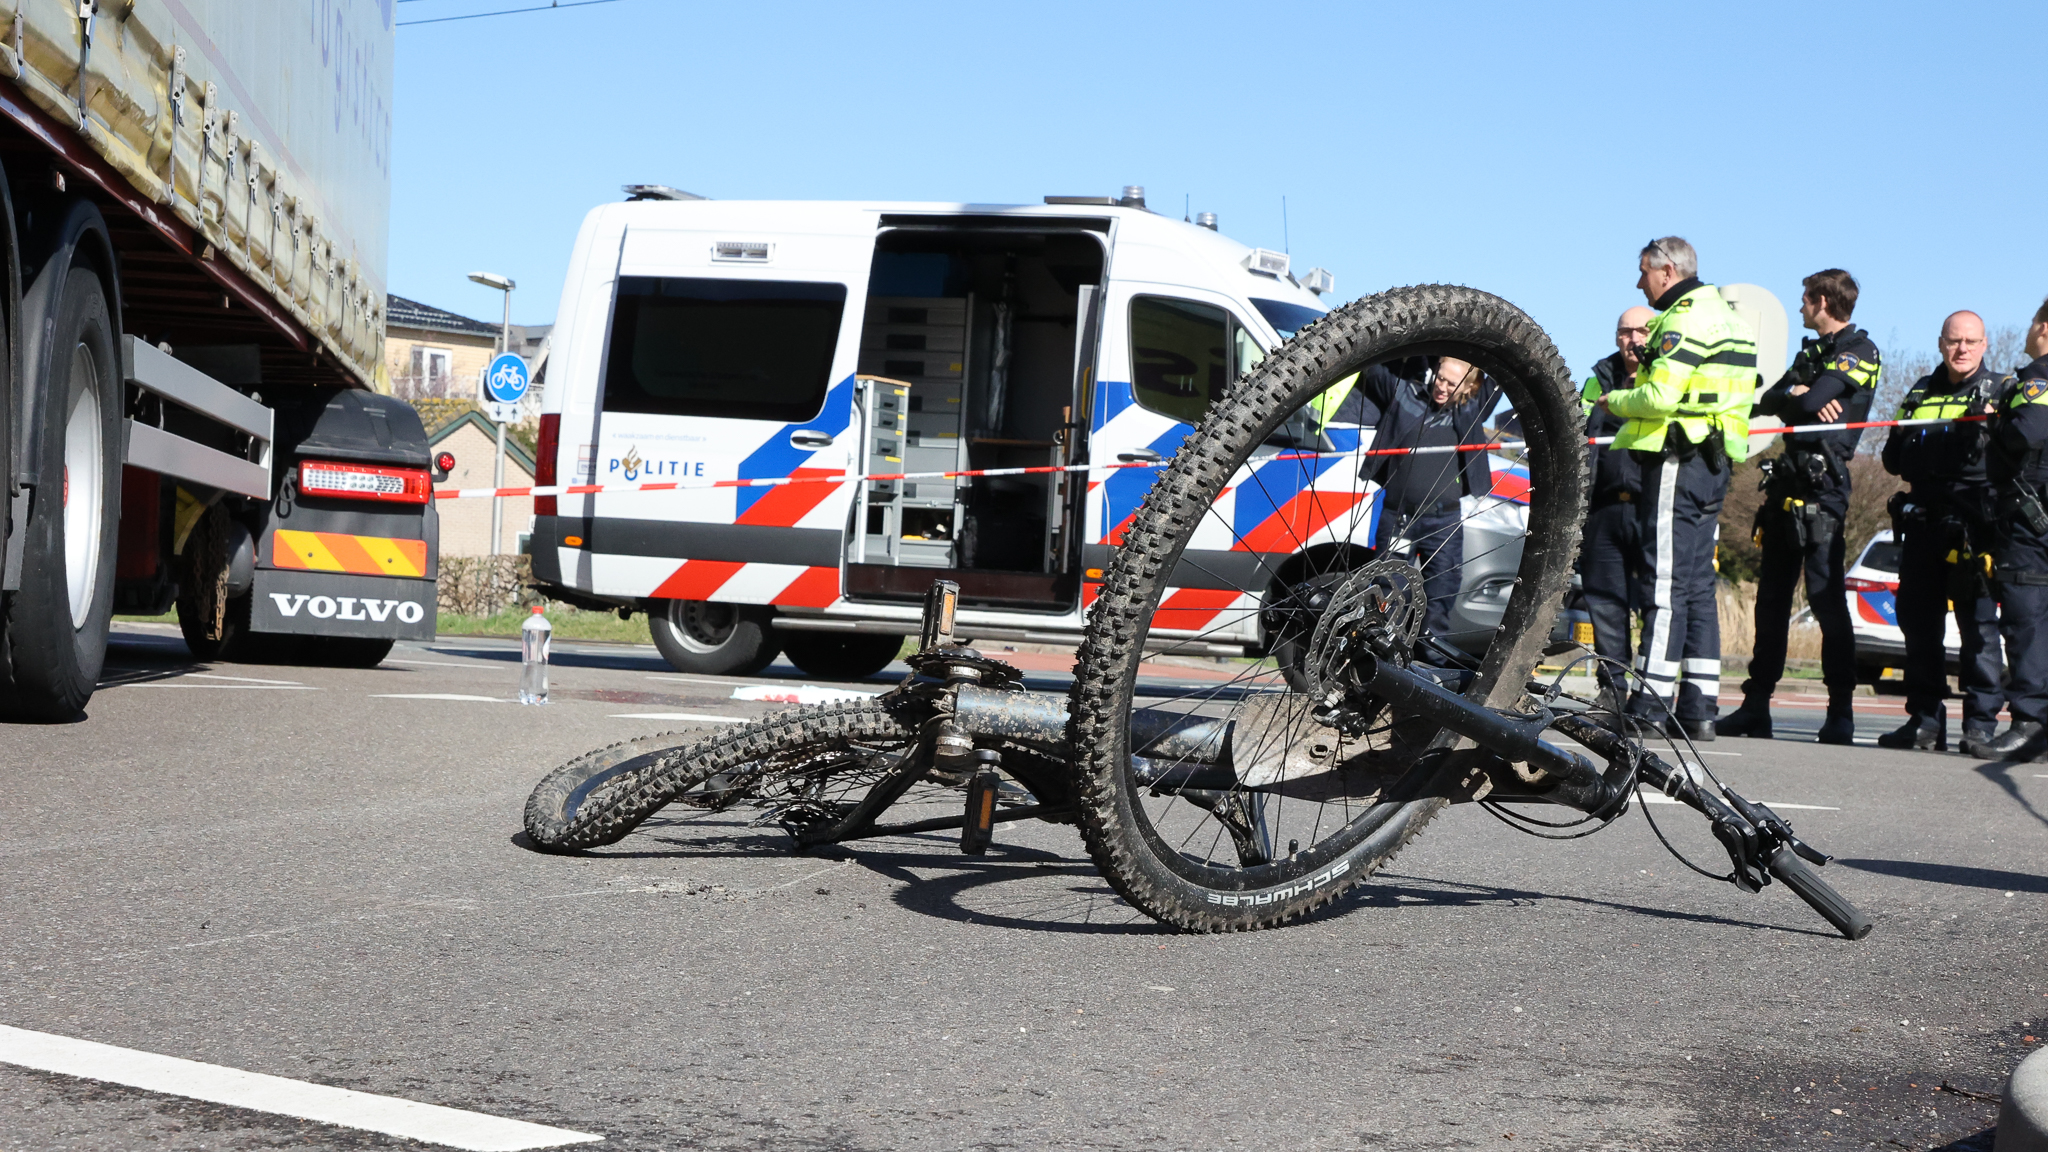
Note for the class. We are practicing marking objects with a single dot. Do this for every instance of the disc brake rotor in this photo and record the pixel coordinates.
(1388, 593)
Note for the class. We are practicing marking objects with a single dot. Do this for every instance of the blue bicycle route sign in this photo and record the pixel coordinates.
(506, 379)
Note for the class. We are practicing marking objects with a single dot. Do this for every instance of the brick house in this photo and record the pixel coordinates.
(466, 524)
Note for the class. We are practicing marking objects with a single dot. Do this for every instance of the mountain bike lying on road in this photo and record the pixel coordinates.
(1243, 802)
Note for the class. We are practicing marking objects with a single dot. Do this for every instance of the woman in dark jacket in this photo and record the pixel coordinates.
(1419, 511)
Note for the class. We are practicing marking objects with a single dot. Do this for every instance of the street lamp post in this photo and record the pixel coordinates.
(504, 284)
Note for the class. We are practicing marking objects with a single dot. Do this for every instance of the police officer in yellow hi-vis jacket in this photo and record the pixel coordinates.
(1688, 424)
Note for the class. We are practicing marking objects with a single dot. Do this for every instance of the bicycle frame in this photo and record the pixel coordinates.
(976, 701)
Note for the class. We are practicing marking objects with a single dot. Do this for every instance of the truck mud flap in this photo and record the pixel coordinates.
(330, 604)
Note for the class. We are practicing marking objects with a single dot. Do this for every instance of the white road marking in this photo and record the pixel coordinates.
(232, 687)
(406, 1119)
(699, 717)
(695, 680)
(437, 696)
(1650, 797)
(238, 679)
(799, 694)
(433, 663)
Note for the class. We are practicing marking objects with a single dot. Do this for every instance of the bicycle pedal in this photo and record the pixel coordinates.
(980, 827)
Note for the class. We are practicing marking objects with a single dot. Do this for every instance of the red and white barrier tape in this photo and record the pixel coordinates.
(1044, 469)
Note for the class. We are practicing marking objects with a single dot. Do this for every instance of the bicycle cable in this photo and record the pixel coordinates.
(1526, 824)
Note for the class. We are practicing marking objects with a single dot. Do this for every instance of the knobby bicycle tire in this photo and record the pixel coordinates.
(600, 797)
(1122, 821)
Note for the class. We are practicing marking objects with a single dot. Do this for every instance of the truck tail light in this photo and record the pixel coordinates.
(544, 464)
(365, 482)
(1858, 584)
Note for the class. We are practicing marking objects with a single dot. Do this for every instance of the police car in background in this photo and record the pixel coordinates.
(1873, 583)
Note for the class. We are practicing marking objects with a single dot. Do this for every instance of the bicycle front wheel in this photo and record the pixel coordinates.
(1319, 785)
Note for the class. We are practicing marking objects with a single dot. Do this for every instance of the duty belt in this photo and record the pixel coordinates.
(2021, 576)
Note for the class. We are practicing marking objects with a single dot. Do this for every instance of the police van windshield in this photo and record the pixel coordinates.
(1286, 319)
(744, 349)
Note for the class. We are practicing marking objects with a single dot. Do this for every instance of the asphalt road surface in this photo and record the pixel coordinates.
(313, 874)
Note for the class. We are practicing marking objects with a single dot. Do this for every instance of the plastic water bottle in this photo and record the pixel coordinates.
(533, 655)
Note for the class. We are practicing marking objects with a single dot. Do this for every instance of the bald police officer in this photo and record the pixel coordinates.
(1944, 526)
(1610, 560)
(1688, 423)
(2018, 468)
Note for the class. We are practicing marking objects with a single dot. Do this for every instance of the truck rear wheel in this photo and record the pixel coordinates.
(840, 656)
(214, 622)
(57, 621)
(714, 639)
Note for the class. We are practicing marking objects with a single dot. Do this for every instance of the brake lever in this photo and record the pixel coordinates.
(1739, 837)
(1762, 816)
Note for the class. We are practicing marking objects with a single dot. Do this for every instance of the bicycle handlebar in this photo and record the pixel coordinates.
(1788, 867)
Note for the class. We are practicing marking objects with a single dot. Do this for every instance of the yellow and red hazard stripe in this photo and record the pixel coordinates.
(340, 552)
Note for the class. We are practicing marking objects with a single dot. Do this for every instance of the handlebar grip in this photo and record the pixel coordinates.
(1789, 868)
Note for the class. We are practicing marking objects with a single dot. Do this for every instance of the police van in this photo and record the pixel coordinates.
(703, 340)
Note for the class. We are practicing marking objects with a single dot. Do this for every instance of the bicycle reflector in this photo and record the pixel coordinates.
(365, 482)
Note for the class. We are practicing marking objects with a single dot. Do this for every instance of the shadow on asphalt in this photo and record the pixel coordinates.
(1408, 891)
(1955, 874)
(2000, 772)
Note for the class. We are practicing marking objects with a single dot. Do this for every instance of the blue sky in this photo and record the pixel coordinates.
(1527, 149)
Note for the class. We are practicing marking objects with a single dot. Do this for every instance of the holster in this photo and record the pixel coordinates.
(1969, 571)
(1713, 450)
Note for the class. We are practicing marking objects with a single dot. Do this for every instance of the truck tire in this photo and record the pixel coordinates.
(712, 639)
(215, 624)
(840, 656)
(56, 635)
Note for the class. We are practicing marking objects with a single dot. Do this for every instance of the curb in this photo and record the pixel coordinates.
(2023, 1115)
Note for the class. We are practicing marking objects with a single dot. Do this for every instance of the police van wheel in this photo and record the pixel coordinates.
(56, 631)
(840, 656)
(713, 639)
(1331, 783)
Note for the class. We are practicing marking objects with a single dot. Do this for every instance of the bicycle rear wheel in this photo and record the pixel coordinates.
(791, 770)
(1307, 810)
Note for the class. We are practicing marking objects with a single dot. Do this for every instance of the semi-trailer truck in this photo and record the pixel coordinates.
(194, 201)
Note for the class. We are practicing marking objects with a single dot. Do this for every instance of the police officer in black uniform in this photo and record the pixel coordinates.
(1944, 526)
(1806, 500)
(2019, 477)
(1610, 574)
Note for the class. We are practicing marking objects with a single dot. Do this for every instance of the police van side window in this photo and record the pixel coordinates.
(743, 349)
(1180, 356)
